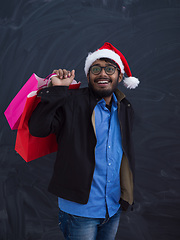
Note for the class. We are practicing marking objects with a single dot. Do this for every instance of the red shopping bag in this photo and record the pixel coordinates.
(14, 110)
(28, 146)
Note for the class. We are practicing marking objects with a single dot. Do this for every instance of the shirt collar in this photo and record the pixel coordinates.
(114, 102)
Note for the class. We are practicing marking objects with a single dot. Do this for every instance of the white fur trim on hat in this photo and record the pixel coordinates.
(104, 53)
(131, 82)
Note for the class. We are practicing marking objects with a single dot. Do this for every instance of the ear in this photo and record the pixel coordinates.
(120, 77)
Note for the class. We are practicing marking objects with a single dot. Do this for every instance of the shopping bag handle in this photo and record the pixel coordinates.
(47, 80)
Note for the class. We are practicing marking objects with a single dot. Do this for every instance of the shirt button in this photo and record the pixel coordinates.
(47, 91)
(109, 146)
(108, 181)
(109, 164)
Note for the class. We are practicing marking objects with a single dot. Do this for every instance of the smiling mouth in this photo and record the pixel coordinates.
(102, 81)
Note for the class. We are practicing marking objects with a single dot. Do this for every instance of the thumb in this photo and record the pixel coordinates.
(71, 78)
(73, 74)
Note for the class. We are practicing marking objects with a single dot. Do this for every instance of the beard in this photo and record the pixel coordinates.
(103, 92)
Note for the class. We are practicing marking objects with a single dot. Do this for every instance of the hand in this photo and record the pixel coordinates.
(63, 78)
(124, 204)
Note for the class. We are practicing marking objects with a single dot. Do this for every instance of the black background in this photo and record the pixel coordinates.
(42, 35)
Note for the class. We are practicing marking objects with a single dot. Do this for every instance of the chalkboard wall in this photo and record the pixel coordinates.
(38, 36)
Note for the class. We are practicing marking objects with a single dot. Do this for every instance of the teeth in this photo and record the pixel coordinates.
(102, 81)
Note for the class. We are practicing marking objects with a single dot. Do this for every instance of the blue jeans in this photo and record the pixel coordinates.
(83, 228)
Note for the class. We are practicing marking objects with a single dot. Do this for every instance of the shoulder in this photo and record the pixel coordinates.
(126, 102)
(121, 98)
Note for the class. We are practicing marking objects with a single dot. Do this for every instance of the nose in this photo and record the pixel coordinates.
(103, 73)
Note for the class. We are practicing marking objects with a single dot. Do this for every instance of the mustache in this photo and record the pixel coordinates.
(100, 79)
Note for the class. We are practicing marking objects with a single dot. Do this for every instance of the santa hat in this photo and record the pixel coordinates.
(109, 51)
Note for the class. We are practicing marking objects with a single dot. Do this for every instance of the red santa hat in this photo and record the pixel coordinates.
(109, 51)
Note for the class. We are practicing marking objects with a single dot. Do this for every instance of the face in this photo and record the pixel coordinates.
(103, 84)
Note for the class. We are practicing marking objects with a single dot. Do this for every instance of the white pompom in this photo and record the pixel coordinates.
(131, 82)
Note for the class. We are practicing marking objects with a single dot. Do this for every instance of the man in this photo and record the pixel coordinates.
(94, 168)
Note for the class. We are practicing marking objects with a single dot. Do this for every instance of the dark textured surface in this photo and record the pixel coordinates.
(39, 36)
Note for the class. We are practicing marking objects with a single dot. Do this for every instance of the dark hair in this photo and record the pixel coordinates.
(109, 61)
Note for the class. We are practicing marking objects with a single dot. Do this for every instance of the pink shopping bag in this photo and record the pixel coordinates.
(14, 110)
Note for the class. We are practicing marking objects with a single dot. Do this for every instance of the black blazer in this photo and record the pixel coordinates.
(68, 114)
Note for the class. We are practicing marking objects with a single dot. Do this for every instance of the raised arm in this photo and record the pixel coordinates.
(48, 116)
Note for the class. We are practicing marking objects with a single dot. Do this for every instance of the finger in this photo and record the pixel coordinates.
(60, 71)
(65, 73)
(55, 71)
(73, 74)
(69, 74)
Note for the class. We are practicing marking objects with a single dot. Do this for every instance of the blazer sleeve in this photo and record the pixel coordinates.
(47, 117)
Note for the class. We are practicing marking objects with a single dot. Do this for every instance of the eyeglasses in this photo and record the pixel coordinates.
(109, 70)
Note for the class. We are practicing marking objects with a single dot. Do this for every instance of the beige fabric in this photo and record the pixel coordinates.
(126, 180)
(93, 121)
(126, 176)
(120, 95)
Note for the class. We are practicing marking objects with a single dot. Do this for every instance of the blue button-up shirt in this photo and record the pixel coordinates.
(105, 189)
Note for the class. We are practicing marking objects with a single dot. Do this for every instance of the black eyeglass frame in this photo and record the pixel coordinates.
(104, 69)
